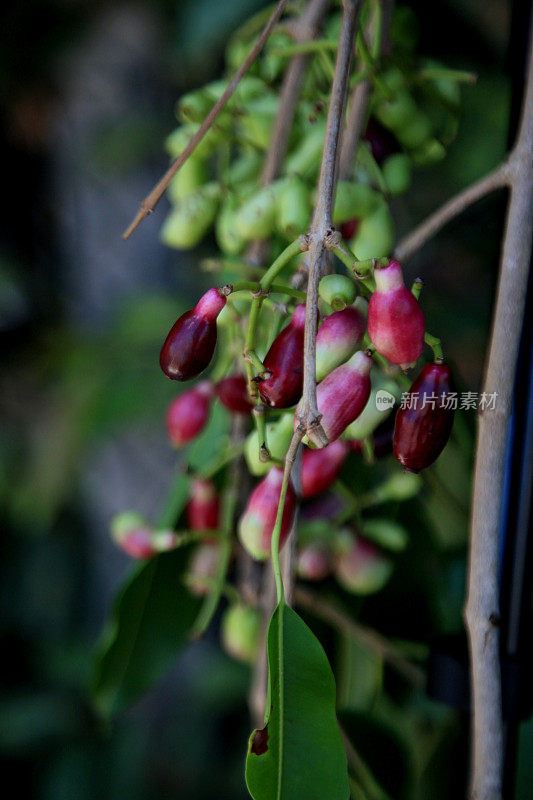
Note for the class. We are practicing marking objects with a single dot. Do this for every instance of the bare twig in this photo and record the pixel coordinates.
(417, 238)
(305, 28)
(309, 415)
(482, 607)
(354, 127)
(358, 105)
(334, 616)
(152, 199)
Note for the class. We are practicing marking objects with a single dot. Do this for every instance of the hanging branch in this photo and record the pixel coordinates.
(304, 29)
(338, 619)
(417, 238)
(482, 607)
(152, 199)
(321, 224)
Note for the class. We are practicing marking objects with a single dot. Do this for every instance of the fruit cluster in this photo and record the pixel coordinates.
(371, 329)
(413, 117)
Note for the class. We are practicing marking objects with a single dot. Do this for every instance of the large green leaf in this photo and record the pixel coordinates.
(149, 625)
(299, 753)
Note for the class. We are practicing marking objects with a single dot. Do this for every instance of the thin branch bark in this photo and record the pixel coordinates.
(321, 223)
(417, 238)
(334, 616)
(354, 128)
(482, 606)
(304, 29)
(152, 199)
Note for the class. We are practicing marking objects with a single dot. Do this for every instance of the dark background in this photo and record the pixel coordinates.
(88, 91)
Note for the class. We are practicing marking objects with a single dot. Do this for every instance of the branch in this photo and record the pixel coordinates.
(321, 224)
(334, 616)
(305, 28)
(482, 607)
(417, 238)
(151, 200)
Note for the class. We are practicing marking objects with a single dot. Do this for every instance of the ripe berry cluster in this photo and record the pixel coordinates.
(371, 329)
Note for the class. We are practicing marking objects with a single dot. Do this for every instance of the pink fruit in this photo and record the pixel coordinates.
(343, 394)
(257, 522)
(396, 323)
(320, 468)
(284, 362)
(188, 413)
(135, 536)
(361, 567)
(203, 508)
(338, 338)
(203, 568)
(313, 562)
(233, 393)
(190, 345)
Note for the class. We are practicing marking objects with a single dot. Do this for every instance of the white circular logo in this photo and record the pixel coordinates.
(384, 400)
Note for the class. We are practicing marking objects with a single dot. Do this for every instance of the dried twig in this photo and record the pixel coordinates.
(482, 607)
(334, 616)
(305, 28)
(152, 199)
(321, 224)
(417, 238)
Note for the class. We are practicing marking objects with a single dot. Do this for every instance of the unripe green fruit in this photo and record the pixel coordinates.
(244, 168)
(338, 291)
(375, 234)
(279, 435)
(178, 140)
(188, 179)
(255, 219)
(373, 414)
(187, 224)
(193, 106)
(386, 533)
(397, 173)
(256, 125)
(353, 201)
(305, 160)
(430, 152)
(228, 238)
(241, 633)
(415, 131)
(273, 63)
(401, 486)
(237, 50)
(398, 112)
(293, 211)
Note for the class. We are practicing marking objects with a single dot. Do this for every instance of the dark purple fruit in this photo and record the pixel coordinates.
(190, 345)
(423, 426)
(284, 364)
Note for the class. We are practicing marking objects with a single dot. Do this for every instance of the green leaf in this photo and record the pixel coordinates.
(299, 753)
(148, 628)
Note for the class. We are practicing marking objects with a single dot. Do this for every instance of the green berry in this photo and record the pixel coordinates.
(279, 435)
(353, 201)
(241, 633)
(188, 179)
(338, 291)
(375, 234)
(187, 224)
(397, 173)
(293, 210)
(255, 219)
(228, 239)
